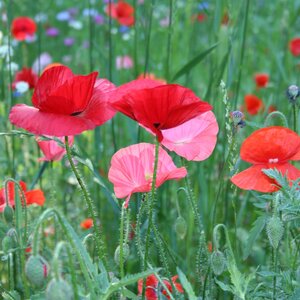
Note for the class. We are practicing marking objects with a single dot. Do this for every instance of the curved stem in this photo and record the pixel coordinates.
(88, 200)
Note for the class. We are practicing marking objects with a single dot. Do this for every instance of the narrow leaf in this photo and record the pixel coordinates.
(186, 285)
(192, 63)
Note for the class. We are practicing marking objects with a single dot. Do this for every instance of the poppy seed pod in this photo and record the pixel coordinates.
(36, 270)
(59, 290)
(293, 93)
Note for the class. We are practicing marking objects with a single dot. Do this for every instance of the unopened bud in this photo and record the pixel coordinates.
(7, 244)
(126, 253)
(218, 262)
(36, 270)
(8, 214)
(275, 230)
(180, 227)
(59, 290)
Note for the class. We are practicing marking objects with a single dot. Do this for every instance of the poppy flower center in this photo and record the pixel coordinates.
(76, 113)
(273, 160)
(156, 125)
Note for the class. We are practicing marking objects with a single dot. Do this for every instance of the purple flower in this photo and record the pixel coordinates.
(69, 41)
(41, 62)
(52, 31)
(99, 19)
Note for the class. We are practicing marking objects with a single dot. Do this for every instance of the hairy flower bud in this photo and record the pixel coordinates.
(59, 290)
(37, 270)
(293, 92)
(7, 244)
(8, 214)
(180, 227)
(275, 231)
(218, 262)
(126, 253)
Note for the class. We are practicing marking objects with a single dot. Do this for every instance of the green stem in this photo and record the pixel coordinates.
(169, 40)
(91, 209)
(121, 260)
(295, 112)
(150, 211)
(147, 50)
(221, 182)
(242, 52)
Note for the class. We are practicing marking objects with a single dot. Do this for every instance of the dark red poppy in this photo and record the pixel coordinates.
(65, 104)
(31, 197)
(22, 28)
(154, 289)
(268, 148)
(272, 108)
(295, 46)
(161, 107)
(122, 11)
(253, 104)
(87, 223)
(261, 80)
(27, 75)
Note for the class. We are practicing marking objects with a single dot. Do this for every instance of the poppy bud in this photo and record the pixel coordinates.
(8, 214)
(36, 270)
(275, 230)
(180, 227)
(293, 92)
(59, 290)
(7, 244)
(126, 253)
(218, 262)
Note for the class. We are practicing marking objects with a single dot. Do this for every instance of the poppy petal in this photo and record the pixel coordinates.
(40, 123)
(268, 143)
(194, 139)
(50, 80)
(35, 197)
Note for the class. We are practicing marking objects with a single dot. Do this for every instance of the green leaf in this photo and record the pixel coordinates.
(223, 286)
(186, 285)
(192, 63)
(255, 231)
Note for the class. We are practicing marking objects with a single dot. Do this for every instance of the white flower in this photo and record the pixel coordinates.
(75, 24)
(22, 86)
(5, 51)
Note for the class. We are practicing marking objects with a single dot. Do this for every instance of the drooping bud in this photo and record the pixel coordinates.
(8, 214)
(218, 262)
(126, 252)
(180, 227)
(59, 290)
(293, 92)
(275, 231)
(37, 270)
(7, 244)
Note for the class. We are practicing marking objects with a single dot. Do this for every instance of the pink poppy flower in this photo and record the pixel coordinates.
(65, 104)
(195, 139)
(51, 149)
(131, 170)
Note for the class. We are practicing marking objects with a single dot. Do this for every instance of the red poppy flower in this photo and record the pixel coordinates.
(87, 223)
(261, 80)
(161, 107)
(268, 148)
(27, 75)
(272, 108)
(23, 27)
(154, 289)
(65, 104)
(32, 197)
(295, 46)
(253, 104)
(122, 11)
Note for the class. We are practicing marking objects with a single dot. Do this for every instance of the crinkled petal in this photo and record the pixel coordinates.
(35, 197)
(273, 142)
(40, 123)
(194, 139)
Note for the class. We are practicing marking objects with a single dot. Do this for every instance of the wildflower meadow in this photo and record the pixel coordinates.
(149, 149)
